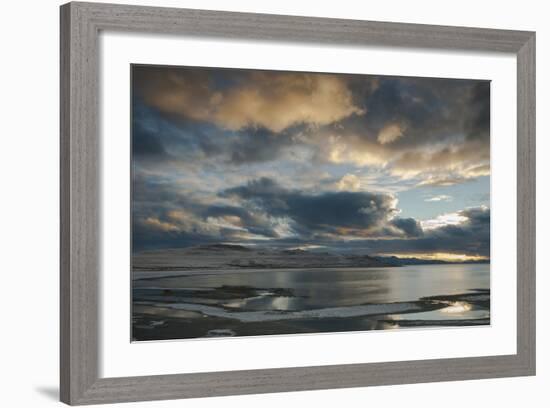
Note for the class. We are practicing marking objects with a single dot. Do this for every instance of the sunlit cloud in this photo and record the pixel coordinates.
(155, 223)
(390, 133)
(275, 101)
(441, 197)
(307, 247)
(350, 182)
(443, 220)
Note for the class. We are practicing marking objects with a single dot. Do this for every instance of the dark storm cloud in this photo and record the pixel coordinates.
(409, 226)
(163, 216)
(478, 123)
(366, 215)
(399, 100)
(257, 145)
(162, 139)
(146, 140)
(161, 211)
(428, 109)
(339, 213)
(471, 237)
(158, 139)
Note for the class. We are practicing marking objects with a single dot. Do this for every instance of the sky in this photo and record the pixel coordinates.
(342, 163)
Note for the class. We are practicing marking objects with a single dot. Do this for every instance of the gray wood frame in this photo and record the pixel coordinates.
(80, 158)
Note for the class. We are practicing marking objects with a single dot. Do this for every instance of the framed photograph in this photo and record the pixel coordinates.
(261, 203)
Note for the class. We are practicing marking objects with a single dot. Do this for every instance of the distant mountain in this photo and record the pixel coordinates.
(228, 256)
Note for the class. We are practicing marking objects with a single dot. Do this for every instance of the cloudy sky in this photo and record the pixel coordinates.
(370, 164)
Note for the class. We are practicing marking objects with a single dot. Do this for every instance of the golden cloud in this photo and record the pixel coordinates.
(390, 133)
(157, 224)
(435, 165)
(350, 182)
(274, 101)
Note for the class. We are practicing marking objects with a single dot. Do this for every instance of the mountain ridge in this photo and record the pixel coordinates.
(234, 256)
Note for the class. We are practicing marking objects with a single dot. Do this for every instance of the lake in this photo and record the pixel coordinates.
(219, 303)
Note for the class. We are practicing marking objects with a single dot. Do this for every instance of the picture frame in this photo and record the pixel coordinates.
(81, 23)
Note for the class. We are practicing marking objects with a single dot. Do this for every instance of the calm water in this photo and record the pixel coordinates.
(182, 306)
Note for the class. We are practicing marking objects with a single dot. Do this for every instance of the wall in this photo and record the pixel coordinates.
(29, 171)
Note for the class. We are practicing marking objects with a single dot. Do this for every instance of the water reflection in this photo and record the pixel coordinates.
(316, 288)
(457, 307)
(214, 303)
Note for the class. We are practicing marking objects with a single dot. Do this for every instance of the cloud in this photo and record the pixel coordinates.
(441, 197)
(390, 133)
(436, 131)
(165, 144)
(257, 145)
(262, 211)
(164, 226)
(443, 220)
(478, 122)
(470, 235)
(410, 226)
(254, 222)
(273, 100)
(339, 214)
(431, 164)
(349, 182)
(163, 215)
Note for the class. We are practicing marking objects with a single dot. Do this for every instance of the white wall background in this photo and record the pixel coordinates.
(29, 205)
